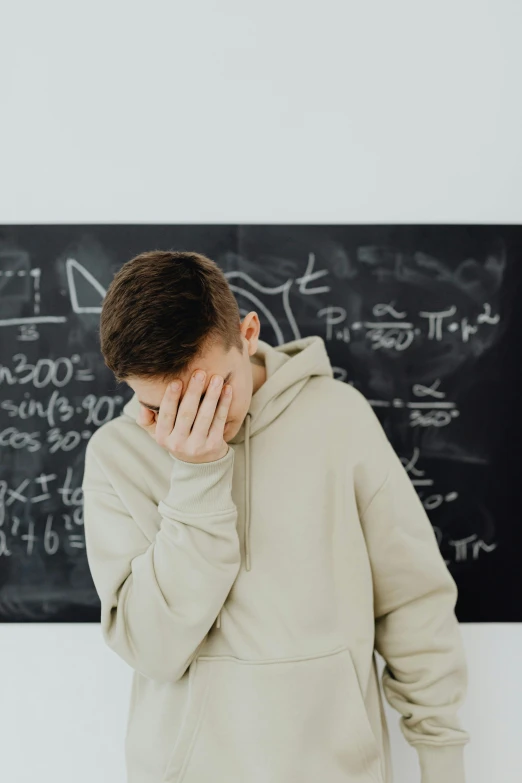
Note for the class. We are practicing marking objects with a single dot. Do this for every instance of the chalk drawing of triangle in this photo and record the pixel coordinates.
(74, 270)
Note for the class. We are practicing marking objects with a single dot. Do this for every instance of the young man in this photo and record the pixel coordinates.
(252, 550)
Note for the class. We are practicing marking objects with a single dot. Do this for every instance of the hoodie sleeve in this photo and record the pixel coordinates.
(159, 599)
(416, 630)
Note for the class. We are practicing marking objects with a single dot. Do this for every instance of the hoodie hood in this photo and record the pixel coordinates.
(288, 368)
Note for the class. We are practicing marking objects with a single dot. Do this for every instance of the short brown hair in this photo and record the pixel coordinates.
(162, 309)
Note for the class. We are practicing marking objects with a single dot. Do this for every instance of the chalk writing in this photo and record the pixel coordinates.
(60, 530)
(400, 334)
(403, 327)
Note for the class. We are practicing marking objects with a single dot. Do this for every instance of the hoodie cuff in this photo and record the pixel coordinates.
(441, 763)
(201, 488)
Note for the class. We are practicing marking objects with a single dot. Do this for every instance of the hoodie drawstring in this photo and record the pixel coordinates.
(247, 491)
(247, 503)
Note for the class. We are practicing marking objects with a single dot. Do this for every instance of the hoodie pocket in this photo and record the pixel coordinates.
(275, 722)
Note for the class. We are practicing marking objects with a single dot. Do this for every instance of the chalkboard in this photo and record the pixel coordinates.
(422, 319)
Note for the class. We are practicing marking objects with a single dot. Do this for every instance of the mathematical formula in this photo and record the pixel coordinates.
(64, 529)
(397, 332)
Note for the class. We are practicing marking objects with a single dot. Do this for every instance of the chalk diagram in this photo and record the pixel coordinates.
(245, 287)
(18, 286)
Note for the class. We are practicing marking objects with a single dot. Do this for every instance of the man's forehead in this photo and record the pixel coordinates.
(214, 361)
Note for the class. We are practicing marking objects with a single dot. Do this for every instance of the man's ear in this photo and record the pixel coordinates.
(250, 329)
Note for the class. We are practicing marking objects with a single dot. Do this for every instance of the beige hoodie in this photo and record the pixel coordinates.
(310, 543)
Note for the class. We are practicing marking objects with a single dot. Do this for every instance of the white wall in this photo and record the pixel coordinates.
(64, 698)
(249, 112)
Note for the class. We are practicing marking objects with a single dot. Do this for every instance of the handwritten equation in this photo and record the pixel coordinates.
(53, 410)
(19, 527)
(427, 408)
(397, 332)
(468, 547)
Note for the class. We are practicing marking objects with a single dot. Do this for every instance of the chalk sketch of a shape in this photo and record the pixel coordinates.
(73, 269)
(282, 290)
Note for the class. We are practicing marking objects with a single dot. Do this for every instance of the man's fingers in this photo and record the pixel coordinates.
(207, 409)
(220, 417)
(190, 426)
(188, 406)
(167, 412)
